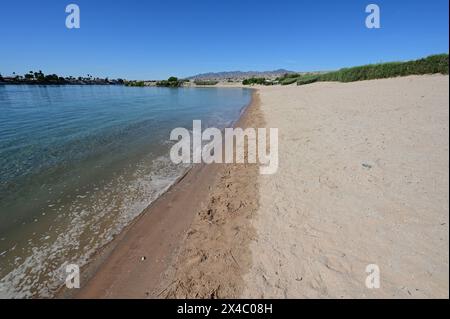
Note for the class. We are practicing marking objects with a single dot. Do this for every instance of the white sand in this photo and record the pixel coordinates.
(324, 216)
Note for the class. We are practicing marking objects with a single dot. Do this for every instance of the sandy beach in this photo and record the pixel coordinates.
(362, 179)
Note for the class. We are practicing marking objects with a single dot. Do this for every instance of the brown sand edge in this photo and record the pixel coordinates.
(215, 253)
(135, 264)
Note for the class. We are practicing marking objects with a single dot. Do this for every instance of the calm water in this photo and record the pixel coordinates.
(78, 163)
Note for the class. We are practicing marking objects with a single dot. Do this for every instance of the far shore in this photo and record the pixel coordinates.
(362, 180)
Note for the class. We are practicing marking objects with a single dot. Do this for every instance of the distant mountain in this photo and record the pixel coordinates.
(239, 75)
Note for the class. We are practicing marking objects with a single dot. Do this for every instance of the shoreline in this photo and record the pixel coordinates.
(363, 180)
(215, 254)
(152, 225)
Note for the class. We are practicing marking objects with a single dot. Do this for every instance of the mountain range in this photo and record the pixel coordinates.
(239, 75)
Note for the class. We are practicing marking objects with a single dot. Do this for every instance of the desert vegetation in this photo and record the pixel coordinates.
(429, 65)
(205, 82)
(173, 82)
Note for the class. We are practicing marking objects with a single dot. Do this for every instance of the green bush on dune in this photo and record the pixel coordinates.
(288, 80)
(307, 79)
(429, 65)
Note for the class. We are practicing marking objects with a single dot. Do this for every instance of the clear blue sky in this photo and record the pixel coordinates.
(139, 39)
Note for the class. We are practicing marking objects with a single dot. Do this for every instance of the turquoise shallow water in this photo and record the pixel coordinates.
(78, 163)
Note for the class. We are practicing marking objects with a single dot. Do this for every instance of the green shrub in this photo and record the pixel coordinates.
(135, 83)
(250, 81)
(429, 65)
(291, 75)
(172, 82)
(287, 77)
(307, 79)
(205, 82)
(288, 80)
